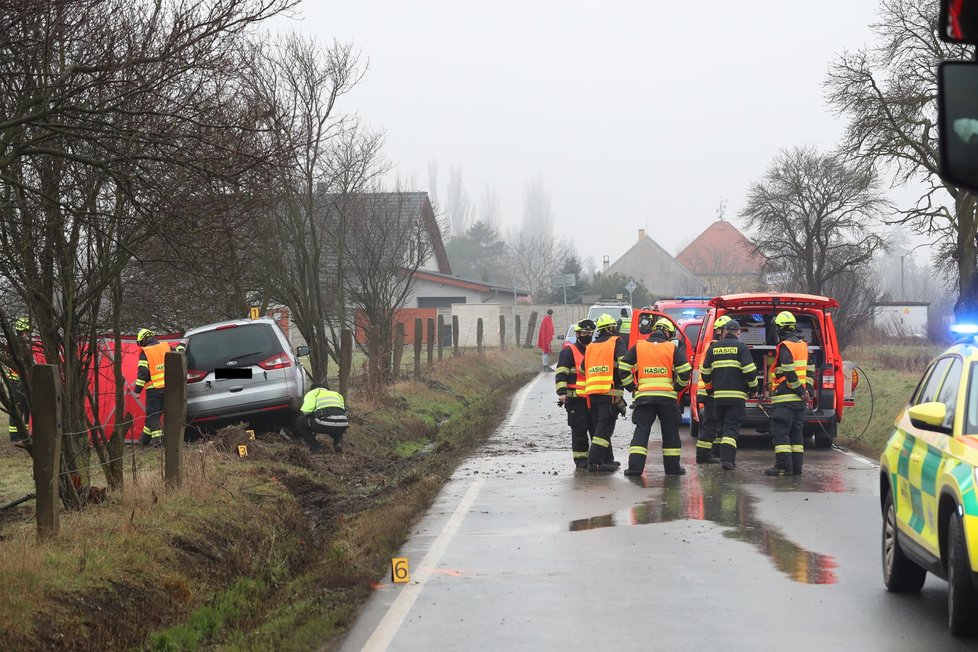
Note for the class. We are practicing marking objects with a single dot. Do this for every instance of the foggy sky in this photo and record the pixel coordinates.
(636, 114)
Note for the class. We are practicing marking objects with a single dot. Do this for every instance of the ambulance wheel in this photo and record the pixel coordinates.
(900, 575)
(962, 599)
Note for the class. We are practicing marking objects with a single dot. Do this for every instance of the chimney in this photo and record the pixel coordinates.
(605, 264)
(641, 235)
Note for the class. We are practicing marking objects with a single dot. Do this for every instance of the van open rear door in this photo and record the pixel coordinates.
(840, 377)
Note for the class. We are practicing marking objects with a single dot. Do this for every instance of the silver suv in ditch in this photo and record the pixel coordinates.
(242, 368)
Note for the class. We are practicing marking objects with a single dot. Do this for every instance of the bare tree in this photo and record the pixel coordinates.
(489, 212)
(538, 216)
(535, 258)
(813, 216)
(888, 92)
(330, 157)
(390, 243)
(112, 110)
(459, 208)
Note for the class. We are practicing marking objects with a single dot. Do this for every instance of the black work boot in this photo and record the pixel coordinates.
(782, 465)
(796, 463)
(603, 467)
(581, 463)
(636, 464)
(672, 466)
(728, 457)
(338, 445)
(705, 456)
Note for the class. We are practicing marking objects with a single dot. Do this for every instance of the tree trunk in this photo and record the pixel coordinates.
(966, 307)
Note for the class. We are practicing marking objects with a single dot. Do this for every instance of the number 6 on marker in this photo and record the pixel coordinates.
(399, 570)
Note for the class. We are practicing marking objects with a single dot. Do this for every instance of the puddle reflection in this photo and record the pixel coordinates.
(718, 497)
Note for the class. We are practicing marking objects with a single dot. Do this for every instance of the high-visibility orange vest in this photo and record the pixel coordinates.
(701, 387)
(155, 354)
(653, 369)
(799, 354)
(577, 387)
(599, 368)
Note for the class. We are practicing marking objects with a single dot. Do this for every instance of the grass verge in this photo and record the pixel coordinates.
(277, 550)
(888, 376)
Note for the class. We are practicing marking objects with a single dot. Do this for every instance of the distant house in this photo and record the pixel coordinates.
(663, 275)
(902, 318)
(724, 260)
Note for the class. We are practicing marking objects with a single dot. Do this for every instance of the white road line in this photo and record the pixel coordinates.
(391, 622)
(381, 639)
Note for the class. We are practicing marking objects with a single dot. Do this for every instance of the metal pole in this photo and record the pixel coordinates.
(903, 290)
(566, 319)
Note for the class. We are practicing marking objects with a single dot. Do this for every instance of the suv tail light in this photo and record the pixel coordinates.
(277, 361)
(828, 381)
(195, 376)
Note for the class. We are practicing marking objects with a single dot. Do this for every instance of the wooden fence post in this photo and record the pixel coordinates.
(478, 335)
(455, 335)
(398, 348)
(440, 334)
(529, 330)
(502, 333)
(516, 334)
(418, 332)
(46, 410)
(174, 417)
(431, 342)
(346, 359)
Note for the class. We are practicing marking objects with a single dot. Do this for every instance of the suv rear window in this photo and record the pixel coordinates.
(247, 345)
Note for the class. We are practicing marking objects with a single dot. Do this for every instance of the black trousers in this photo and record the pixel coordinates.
(787, 426)
(643, 416)
(709, 433)
(729, 415)
(307, 428)
(603, 416)
(153, 428)
(579, 420)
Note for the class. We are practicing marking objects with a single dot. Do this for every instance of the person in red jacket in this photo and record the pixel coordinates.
(545, 338)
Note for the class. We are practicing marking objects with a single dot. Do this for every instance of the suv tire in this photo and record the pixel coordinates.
(962, 598)
(900, 575)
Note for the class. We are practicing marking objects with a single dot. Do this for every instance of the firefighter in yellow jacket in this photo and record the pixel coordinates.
(789, 380)
(659, 370)
(322, 411)
(602, 371)
(150, 376)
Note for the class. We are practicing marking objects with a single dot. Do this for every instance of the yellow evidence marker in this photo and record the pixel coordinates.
(242, 450)
(399, 570)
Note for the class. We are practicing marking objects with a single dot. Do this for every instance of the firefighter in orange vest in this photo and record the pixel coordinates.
(149, 376)
(570, 392)
(789, 380)
(708, 440)
(604, 376)
(659, 370)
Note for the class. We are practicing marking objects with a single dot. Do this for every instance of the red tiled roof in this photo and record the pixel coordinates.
(721, 240)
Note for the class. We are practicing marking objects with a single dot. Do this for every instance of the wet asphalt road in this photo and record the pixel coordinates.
(522, 552)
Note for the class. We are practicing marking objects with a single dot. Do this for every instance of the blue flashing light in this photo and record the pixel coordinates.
(965, 329)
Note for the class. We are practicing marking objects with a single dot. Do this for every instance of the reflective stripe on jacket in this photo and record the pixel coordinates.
(600, 368)
(569, 381)
(320, 399)
(152, 358)
(653, 369)
(789, 373)
(731, 370)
